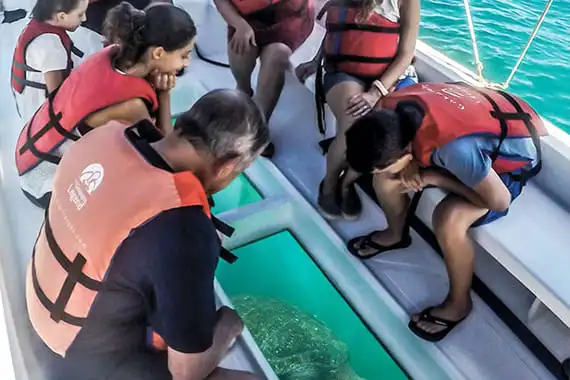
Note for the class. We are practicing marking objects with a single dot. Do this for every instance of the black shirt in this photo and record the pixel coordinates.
(160, 277)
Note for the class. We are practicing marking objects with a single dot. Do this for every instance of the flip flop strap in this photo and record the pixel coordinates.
(427, 317)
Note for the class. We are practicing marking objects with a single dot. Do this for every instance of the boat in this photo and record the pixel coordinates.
(519, 327)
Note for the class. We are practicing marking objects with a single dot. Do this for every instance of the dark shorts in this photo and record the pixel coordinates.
(515, 188)
(143, 365)
(292, 31)
(97, 11)
(333, 78)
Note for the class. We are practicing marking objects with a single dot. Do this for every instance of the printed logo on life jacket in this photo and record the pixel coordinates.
(454, 95)
(89, 180)
(92, 176)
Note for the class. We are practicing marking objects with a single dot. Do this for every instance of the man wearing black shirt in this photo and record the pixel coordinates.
(161, 276)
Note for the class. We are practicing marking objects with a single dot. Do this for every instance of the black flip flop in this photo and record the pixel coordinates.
(13, 16)
(425, 316)
(367, 242)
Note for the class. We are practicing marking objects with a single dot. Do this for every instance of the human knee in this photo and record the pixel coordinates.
(385, 186)
(276, 56)
(449, 220)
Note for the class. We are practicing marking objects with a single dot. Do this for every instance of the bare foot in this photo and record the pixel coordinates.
(447, 311)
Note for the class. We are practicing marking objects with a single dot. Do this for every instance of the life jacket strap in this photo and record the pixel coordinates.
(503, 117)
(226, 230)
(54, 122)
(28, 83)
(55, 313)
(320, 99)
(337, 58)
(75, 50)
(75, 275)
(66, 264)
(22, 81)
(23, 66)
(343, 27)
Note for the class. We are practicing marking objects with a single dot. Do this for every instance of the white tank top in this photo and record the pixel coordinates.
(389, 9)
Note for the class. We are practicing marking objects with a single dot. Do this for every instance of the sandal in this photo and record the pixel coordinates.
(367, 242)
(425, 316)
(13, 16)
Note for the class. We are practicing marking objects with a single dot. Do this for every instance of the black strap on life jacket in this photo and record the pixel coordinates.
(75, 275)
(226, 230)
(25, 68)
(53, 122)
(75, 51)
(342, 26)
(503, 117)
(320, 96)
(25, 82)
(331, 59)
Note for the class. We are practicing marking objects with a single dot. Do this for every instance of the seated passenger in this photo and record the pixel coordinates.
(112, 84)
(481, 146)
(97, 11)
(42, 58)
(150, 260)
(367, 51)
(270, 31)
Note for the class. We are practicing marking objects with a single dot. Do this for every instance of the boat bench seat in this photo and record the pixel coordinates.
(532, 242)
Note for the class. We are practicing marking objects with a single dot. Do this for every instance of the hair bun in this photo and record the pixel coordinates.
(124, 23)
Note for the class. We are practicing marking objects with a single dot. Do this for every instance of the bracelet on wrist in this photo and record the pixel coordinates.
(380, 87)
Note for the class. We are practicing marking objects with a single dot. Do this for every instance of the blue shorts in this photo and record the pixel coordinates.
(515, 188)
(333, 78)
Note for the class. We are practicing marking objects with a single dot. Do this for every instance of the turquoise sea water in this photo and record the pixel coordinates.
(502, 28)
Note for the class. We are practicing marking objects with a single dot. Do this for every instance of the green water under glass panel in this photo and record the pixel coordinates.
(276, 276)
(239, 193)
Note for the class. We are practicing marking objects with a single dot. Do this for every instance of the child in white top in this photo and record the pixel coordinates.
(45, 52)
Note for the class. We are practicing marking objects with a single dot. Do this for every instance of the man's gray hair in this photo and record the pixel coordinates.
(227, 124)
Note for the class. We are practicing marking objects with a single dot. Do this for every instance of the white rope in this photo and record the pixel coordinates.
(478, 61)
(529, 42)
(474, 41)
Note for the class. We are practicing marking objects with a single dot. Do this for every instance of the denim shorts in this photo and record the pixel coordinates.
(515, 188)
(333, 78)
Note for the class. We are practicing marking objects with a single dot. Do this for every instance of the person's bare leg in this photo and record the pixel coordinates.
(337, 99)
(274, 63)
(451, 220)
(230, 374)
(242, 66)
(394, 204)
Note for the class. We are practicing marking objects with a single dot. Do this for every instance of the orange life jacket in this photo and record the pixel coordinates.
(113, 188)
(364, 49)
(270, 12)
(33, 30)
(94, 86)
(454, 110)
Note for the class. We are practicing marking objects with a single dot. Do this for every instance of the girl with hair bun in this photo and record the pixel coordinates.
(98, 9)
(129, 80)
